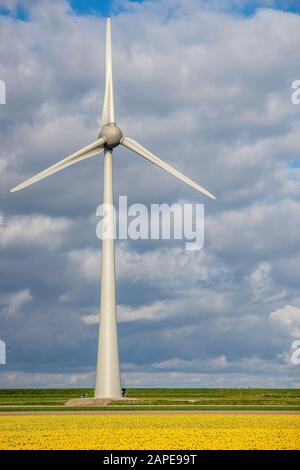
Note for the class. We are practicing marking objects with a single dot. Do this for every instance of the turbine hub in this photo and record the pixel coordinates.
(112, 134)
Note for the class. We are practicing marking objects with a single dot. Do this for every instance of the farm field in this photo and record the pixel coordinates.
(155, 399)
(151, 431)
(272, 420)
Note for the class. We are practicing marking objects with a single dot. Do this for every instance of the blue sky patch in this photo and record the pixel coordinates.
(20, 13)
(105, 7)
(109, 7)
(249, 8)
(102, 7)
(295, 164)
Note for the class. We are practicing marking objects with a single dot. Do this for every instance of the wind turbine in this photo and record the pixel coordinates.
(108, 382)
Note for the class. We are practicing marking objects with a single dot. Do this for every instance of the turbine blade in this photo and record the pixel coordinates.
(89, 151)
(108, 114)
(140, 150)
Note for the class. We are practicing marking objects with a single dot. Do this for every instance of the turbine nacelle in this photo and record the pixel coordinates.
(112, 135)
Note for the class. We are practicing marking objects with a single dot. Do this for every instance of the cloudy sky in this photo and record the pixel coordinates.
(206, 85)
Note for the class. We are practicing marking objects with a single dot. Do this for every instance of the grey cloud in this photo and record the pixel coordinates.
(206, 89)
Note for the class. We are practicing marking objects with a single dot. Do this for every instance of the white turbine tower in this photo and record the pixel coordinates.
(110, 136)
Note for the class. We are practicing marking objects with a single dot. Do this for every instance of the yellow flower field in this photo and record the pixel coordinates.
(151, 431)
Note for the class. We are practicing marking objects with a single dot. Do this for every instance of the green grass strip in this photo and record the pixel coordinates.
(150, 408)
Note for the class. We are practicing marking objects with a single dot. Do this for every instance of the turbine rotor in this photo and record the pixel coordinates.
(112, 135)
